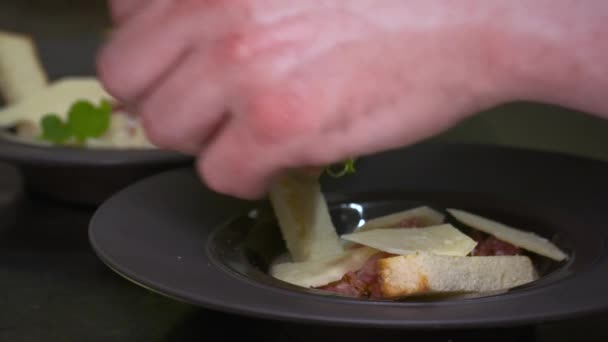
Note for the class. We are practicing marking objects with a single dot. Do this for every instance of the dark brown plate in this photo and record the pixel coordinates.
(170, 234)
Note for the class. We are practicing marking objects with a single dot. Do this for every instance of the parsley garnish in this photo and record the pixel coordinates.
(348, 167)
(54, 130)
(84, 121)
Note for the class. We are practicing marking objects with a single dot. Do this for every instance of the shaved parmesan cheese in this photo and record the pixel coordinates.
(324, 271)
(442, 239)
(57, 98)
(424, 215)
(303, 217)
(21, 71)
(517, 237)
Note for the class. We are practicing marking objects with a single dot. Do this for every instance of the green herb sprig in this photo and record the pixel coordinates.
(348, 167)
(84, 121)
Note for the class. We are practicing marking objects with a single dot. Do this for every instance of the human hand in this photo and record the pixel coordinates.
(255, 87)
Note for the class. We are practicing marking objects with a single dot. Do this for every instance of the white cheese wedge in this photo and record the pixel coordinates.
(517, 237)
(303, 216)
(424, 215)
(324, 271)
(21, 71)
(57, 98)
(443, 239)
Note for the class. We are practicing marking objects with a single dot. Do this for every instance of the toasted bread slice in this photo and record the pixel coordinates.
(424, 273)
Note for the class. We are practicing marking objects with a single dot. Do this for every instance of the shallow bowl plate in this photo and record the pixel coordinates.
(172, 235)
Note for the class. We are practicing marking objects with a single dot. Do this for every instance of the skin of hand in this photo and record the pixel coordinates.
(256, 87)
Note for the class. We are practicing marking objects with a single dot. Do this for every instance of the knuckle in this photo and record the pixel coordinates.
(277, 116)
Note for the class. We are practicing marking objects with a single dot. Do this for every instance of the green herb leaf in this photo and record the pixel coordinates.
(55, 130)
(87, 121)
(348, 167)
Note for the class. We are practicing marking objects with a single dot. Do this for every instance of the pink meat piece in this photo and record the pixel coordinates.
(412, 222)
(492, 246)
(362, 283)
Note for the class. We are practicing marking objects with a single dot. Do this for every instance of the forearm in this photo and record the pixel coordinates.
(555, 51)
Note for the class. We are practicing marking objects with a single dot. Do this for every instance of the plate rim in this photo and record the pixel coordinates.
(34, 155)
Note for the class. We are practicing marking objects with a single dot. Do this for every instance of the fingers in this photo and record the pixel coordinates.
(256, 144)
(187, 107)
(148, 45)
(234, 165)
(141, 52)
(214, 79)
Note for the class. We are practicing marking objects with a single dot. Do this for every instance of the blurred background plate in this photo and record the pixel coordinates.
(67, 35)
(84, 176)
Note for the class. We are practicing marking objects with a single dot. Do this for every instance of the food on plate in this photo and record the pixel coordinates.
(71, 111)
(410, 253)
(422, 216)
(442, 239)
(323, 271)
(517, 237)
(21, 72)
(417, 217)
(303, 216)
